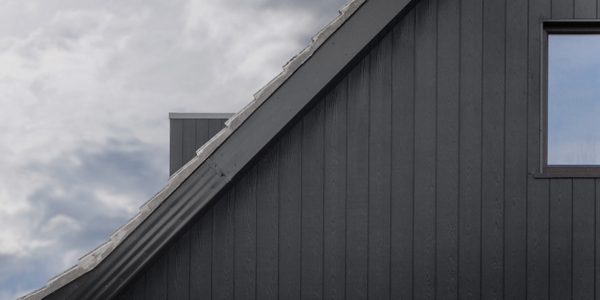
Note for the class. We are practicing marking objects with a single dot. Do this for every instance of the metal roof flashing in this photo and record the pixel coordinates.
(177, 116)
(94, 257)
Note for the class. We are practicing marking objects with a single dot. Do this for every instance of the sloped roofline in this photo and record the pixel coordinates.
(107, 270)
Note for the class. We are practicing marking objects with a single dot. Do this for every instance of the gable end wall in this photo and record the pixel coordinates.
(411, 179)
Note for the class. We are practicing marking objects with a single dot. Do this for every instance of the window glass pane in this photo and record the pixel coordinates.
(574, 99)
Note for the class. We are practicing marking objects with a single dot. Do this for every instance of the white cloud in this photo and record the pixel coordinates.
(118, 204)
(252, 42)
(60, 224)
(85, 88)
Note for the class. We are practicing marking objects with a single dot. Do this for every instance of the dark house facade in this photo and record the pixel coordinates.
(188, 132)
(402, 160)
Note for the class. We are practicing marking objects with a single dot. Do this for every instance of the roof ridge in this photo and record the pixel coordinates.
(90, 260)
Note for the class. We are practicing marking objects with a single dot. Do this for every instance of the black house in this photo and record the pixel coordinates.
(410, 152)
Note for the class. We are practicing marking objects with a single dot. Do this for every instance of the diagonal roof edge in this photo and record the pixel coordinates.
(94, 257)
(198, 185)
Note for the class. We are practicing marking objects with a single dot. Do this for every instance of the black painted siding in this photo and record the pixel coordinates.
(411, 179)
(187, 136)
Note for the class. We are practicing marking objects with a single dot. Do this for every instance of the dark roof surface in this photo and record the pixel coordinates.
(105, 272)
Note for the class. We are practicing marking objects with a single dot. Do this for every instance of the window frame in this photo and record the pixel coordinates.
(560, 27)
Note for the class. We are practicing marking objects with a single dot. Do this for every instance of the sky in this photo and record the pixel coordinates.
(85, 91)
(573, 99)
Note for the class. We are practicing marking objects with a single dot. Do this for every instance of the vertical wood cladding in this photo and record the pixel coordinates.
(425, 150)
(470, 167)
(402, 166)
(187, 136)
(357, 205)
(411, 179)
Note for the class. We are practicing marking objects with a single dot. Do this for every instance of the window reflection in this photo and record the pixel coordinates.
(574, 99)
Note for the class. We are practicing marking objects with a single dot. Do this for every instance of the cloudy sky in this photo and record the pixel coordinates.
(85, 91)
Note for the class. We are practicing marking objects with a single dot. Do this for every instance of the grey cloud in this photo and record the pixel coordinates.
(113, 167)
(96, 128)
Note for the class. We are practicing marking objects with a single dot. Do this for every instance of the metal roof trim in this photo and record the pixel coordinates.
(90, 260)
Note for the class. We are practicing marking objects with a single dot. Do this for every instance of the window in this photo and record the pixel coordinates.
(571, 102)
